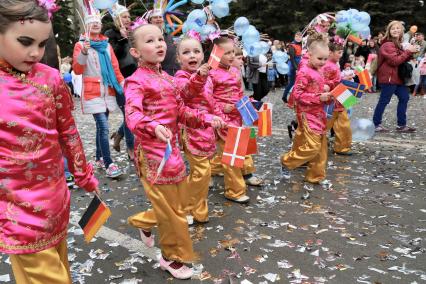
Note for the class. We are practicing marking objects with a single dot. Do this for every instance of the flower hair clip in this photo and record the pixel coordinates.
(194, 34)
(338, 40)
(137, 23)
(49, 5)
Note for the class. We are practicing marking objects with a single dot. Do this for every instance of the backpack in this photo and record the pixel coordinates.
(405, 71)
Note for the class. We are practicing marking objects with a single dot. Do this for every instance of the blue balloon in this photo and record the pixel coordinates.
(265, 47)
(241, 25)
(358, 26)
(254, 49)
(363, 17)
(197, 1)
(207, 29)
(365, 33)
(251, 35)
(185, 28)
(342, 17)
(198, 17)
(283, 68)
(280, 57)
(362, 129)
(104, 4)
(220, 8)
(194, 26)
(67, 78)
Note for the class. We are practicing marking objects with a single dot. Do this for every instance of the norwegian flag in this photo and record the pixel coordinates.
(236, 146)
(247, 111)
(215, 57)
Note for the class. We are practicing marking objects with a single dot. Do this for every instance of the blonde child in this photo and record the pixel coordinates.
(310, 145)
(36, 129)
(153, 109)
(249, 169)
(199, 144)
(339, 121)
(227, 91)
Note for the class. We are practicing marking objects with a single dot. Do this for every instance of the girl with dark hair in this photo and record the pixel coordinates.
(37, 129)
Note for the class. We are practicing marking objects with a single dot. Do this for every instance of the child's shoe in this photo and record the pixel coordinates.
(113, 171)
(147, 238)
(70, 181)
(99, 164)
(242, 200)
(253, 180)
(285, 173)
(190, 220)
(176, 269)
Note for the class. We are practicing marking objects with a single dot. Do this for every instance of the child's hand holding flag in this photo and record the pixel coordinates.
(163, 133)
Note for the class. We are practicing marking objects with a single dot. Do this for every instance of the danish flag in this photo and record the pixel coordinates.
(215, 57)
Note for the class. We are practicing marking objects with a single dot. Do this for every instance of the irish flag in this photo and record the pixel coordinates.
(344, 96)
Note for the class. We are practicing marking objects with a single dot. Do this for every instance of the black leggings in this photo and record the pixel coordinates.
(261, 89)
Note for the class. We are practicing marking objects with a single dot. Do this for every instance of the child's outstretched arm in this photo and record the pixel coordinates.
(69, 139)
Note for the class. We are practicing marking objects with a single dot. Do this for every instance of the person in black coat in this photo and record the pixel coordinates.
(128, 65)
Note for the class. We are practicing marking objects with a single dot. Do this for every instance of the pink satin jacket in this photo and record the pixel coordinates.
(306, 91)
(152, 99)
(36, 129)
(331, 74)
(227, 89)
(197, 93)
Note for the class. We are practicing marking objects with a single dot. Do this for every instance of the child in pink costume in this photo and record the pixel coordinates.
(310, 146)
(227, 91)
(153, 109)
(36, 129)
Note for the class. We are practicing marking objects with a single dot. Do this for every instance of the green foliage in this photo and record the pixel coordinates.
(279, 18)
(63, 27)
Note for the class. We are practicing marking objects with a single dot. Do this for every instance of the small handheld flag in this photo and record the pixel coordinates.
(344, 96)
(329, 110)
(247, 111)
(166, 156)
(215, 57)
(95, 216)
(364, 78)
(356, 89)
(236, 146)
(252, 144)
(265, 123)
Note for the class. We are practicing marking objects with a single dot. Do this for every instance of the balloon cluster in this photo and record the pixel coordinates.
(202, 20)
(254, 46)
(353, 22)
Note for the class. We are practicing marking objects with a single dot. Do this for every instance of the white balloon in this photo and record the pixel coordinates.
(362, 129)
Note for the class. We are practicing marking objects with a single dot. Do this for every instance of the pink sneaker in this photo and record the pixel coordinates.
(183, 272)
(99, 164)
(148, 241)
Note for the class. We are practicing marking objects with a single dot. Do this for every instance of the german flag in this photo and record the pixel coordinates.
(95, 216)
(265, 123)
